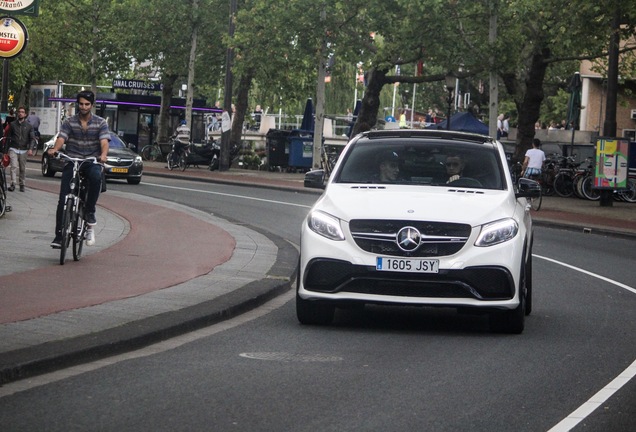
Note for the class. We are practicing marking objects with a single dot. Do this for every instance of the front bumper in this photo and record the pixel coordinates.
(486, 277)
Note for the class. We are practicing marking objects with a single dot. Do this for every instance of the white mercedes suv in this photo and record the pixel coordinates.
(419, 217)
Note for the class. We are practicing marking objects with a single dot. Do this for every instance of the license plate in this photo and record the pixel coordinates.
(119, 170)
(407, 265)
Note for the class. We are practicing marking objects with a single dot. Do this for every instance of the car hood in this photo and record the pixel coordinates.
(433, 203)
(121, 153)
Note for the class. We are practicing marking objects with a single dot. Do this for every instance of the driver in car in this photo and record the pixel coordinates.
(454, 167)
(389, 167)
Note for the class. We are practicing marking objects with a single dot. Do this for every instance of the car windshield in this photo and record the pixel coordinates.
(422, 162)
(116, 142)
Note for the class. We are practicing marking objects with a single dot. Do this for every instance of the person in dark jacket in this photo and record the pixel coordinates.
(21, 142)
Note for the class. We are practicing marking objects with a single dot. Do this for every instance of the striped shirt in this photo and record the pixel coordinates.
(82, 143)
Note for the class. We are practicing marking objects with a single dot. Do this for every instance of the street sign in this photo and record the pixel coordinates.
(22, 7)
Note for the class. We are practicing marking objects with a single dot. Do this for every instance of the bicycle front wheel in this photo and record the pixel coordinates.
(535, 203)
(79, 232)
(171, 162)
(151, 153)
(3, 201)
(587, 189)
(563, 185)
(67, 227)
(182, 163)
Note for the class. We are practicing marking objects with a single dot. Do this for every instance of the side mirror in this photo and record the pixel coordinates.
(315, 179)
(528, 188)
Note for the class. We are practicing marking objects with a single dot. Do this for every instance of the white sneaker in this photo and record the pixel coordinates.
(90, 236)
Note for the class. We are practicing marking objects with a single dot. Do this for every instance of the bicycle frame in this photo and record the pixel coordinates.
(74, 226)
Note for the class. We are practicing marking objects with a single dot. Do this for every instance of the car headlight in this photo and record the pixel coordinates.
(497, 232)
(325, 225)
(138, 160)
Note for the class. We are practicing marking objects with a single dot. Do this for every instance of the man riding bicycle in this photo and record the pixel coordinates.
(85, 135)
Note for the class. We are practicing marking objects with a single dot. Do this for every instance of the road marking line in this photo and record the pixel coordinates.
(228, 195)
(595, 401)
(579, 414)
(603, 278)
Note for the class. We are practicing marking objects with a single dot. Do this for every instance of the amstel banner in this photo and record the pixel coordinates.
(13, 37)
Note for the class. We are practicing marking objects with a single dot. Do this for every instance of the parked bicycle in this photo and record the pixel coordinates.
(629, 194)
(151, 152)
(328, 157)
(74, 226)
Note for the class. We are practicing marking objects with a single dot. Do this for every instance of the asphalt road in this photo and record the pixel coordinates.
(384, 368)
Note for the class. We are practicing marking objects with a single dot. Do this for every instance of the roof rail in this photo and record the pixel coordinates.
(430, 133)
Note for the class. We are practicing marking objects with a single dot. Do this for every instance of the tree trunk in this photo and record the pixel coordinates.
(367, 117)
(193, 53)
(163, 133)
(242, 93)
(529, 103)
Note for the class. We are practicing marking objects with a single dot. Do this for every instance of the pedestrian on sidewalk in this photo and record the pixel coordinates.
(85, 135)
(35, 122)
(533, 160)
(21, 141)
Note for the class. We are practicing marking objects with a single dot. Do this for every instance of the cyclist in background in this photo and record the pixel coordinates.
(85, 135)
(533, 161)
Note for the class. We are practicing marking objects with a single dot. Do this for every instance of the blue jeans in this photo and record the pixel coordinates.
(93, 172)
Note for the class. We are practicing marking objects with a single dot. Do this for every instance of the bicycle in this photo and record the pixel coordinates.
(74, 226)
(151, 152)
(3, 193)
(177, 158)
(629, 194)
(37, 143)
(564, 185)
(328, 158)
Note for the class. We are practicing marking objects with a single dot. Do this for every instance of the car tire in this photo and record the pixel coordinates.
(134, 181)
(528, 284)
(46, 166)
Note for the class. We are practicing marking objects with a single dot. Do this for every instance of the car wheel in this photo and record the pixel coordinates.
(46, 166)
(134, 181)
(528, 283)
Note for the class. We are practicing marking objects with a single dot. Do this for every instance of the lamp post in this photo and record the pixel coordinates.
(450, 86)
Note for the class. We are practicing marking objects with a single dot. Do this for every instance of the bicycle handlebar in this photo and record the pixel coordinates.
(61, 155)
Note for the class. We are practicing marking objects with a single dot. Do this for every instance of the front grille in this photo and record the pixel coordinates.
(438, 238)
(120, 162)
(481, 283)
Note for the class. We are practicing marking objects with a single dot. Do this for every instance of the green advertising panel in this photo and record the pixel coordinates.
(612, 156)
(20, 7)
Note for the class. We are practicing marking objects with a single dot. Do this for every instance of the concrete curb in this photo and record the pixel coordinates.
(27, 362)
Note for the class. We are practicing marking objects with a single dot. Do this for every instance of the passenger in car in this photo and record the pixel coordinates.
(389, 167)
(454, 167)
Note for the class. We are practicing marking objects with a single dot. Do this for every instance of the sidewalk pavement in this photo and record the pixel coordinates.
(213, 269)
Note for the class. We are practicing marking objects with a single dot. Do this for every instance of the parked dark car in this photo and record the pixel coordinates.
(123, 163)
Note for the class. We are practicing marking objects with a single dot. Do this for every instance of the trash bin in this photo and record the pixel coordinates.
(301, 148)
(277, 148)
